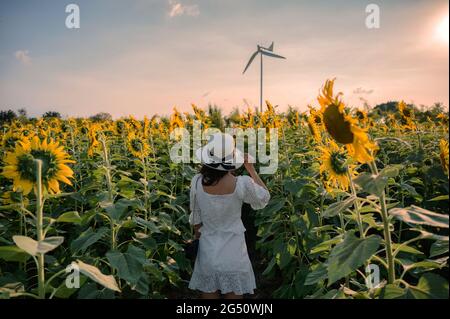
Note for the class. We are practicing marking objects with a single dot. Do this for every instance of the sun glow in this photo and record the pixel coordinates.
(442, 30)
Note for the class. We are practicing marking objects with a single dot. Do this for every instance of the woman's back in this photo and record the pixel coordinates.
(226, 185)
(221, 211)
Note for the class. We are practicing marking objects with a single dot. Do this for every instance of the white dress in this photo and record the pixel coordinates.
(222, 261)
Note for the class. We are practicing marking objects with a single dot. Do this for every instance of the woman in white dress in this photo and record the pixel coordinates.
(222, 265)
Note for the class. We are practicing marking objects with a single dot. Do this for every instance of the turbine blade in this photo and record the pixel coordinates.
(251, 60)
(273, 55)
(271, 47)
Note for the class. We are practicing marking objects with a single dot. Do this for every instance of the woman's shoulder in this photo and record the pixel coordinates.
(241, 184)
(195, 178)
(243, 179)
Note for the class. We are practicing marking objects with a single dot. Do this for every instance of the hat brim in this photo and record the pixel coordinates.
(203, 156)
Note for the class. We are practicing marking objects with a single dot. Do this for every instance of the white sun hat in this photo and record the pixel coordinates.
(220, 153)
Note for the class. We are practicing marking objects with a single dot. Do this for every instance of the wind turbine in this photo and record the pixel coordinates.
(263, 51)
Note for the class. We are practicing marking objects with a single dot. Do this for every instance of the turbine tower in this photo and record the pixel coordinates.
(262, 51)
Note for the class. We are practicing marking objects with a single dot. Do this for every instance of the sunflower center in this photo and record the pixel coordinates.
(120, 127)
(11, 142)
(317, 120)
(338, 163)
(136, 144)
(407, 113)
(49, 165)
(336, 125)
(25, 166)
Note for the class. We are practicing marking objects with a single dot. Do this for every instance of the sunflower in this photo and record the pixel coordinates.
(137, 146)
(362, 116)
(10, 139)
(247, 119)
(315, 124)
(21, 168)
(406, 116)
(443, 145)
(269, 118)
(342, 127)
(391, 121)
(146, 127)
(296, 119)
(10, 197)
(93, 141)
(134, 123)
(121, 127)
(442, 117)
(176, 120)
(335, 166)
(27, 131)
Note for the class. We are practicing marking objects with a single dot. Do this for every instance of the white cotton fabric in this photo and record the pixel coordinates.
(222, 261)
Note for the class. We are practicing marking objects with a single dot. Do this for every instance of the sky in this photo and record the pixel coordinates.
(141, 57)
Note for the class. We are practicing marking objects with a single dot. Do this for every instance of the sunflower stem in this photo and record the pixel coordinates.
(39, 228)
(386, 230)
(146, 206)
(357, 205)
(110, 190)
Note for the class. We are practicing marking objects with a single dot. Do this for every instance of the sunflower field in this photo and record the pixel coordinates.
(359, 205)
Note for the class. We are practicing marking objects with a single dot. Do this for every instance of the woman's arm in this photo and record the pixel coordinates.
(252, 171)
(196, 231)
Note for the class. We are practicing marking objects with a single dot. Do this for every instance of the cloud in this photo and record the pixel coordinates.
(23, 56)
(362, 91)
(179, 9)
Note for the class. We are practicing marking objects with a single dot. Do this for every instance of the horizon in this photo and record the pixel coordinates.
(146, 57)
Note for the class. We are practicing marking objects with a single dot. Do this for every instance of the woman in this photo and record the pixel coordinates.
(222, 265)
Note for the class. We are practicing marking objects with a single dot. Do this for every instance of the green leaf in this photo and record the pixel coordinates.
(69, 217)
(269, 267)
(426, 264)
(320, 273)
(326, 245)
(339, 207)
(294, 186)
(282, 255)
(63, 292)
(439, 198)
(439, 247)
(116, 211)
(427, 235)
(350, 254)
(13, 253)
(129, 265)
(419, 216)
(406, 249)
(274, 206)
(375, 184)
(96, 275)
(142, 285)
(87, 238)
(430, 286)
(392, 291)
(147, 223)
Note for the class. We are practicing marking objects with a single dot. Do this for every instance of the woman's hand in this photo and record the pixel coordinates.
(248, 163)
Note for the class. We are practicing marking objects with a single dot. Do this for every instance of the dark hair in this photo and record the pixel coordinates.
(211, 176)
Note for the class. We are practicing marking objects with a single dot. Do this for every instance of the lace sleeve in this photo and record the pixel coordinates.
(255, 195)
(194, 217)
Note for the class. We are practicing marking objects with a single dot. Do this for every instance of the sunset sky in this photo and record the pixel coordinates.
(145, 57)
